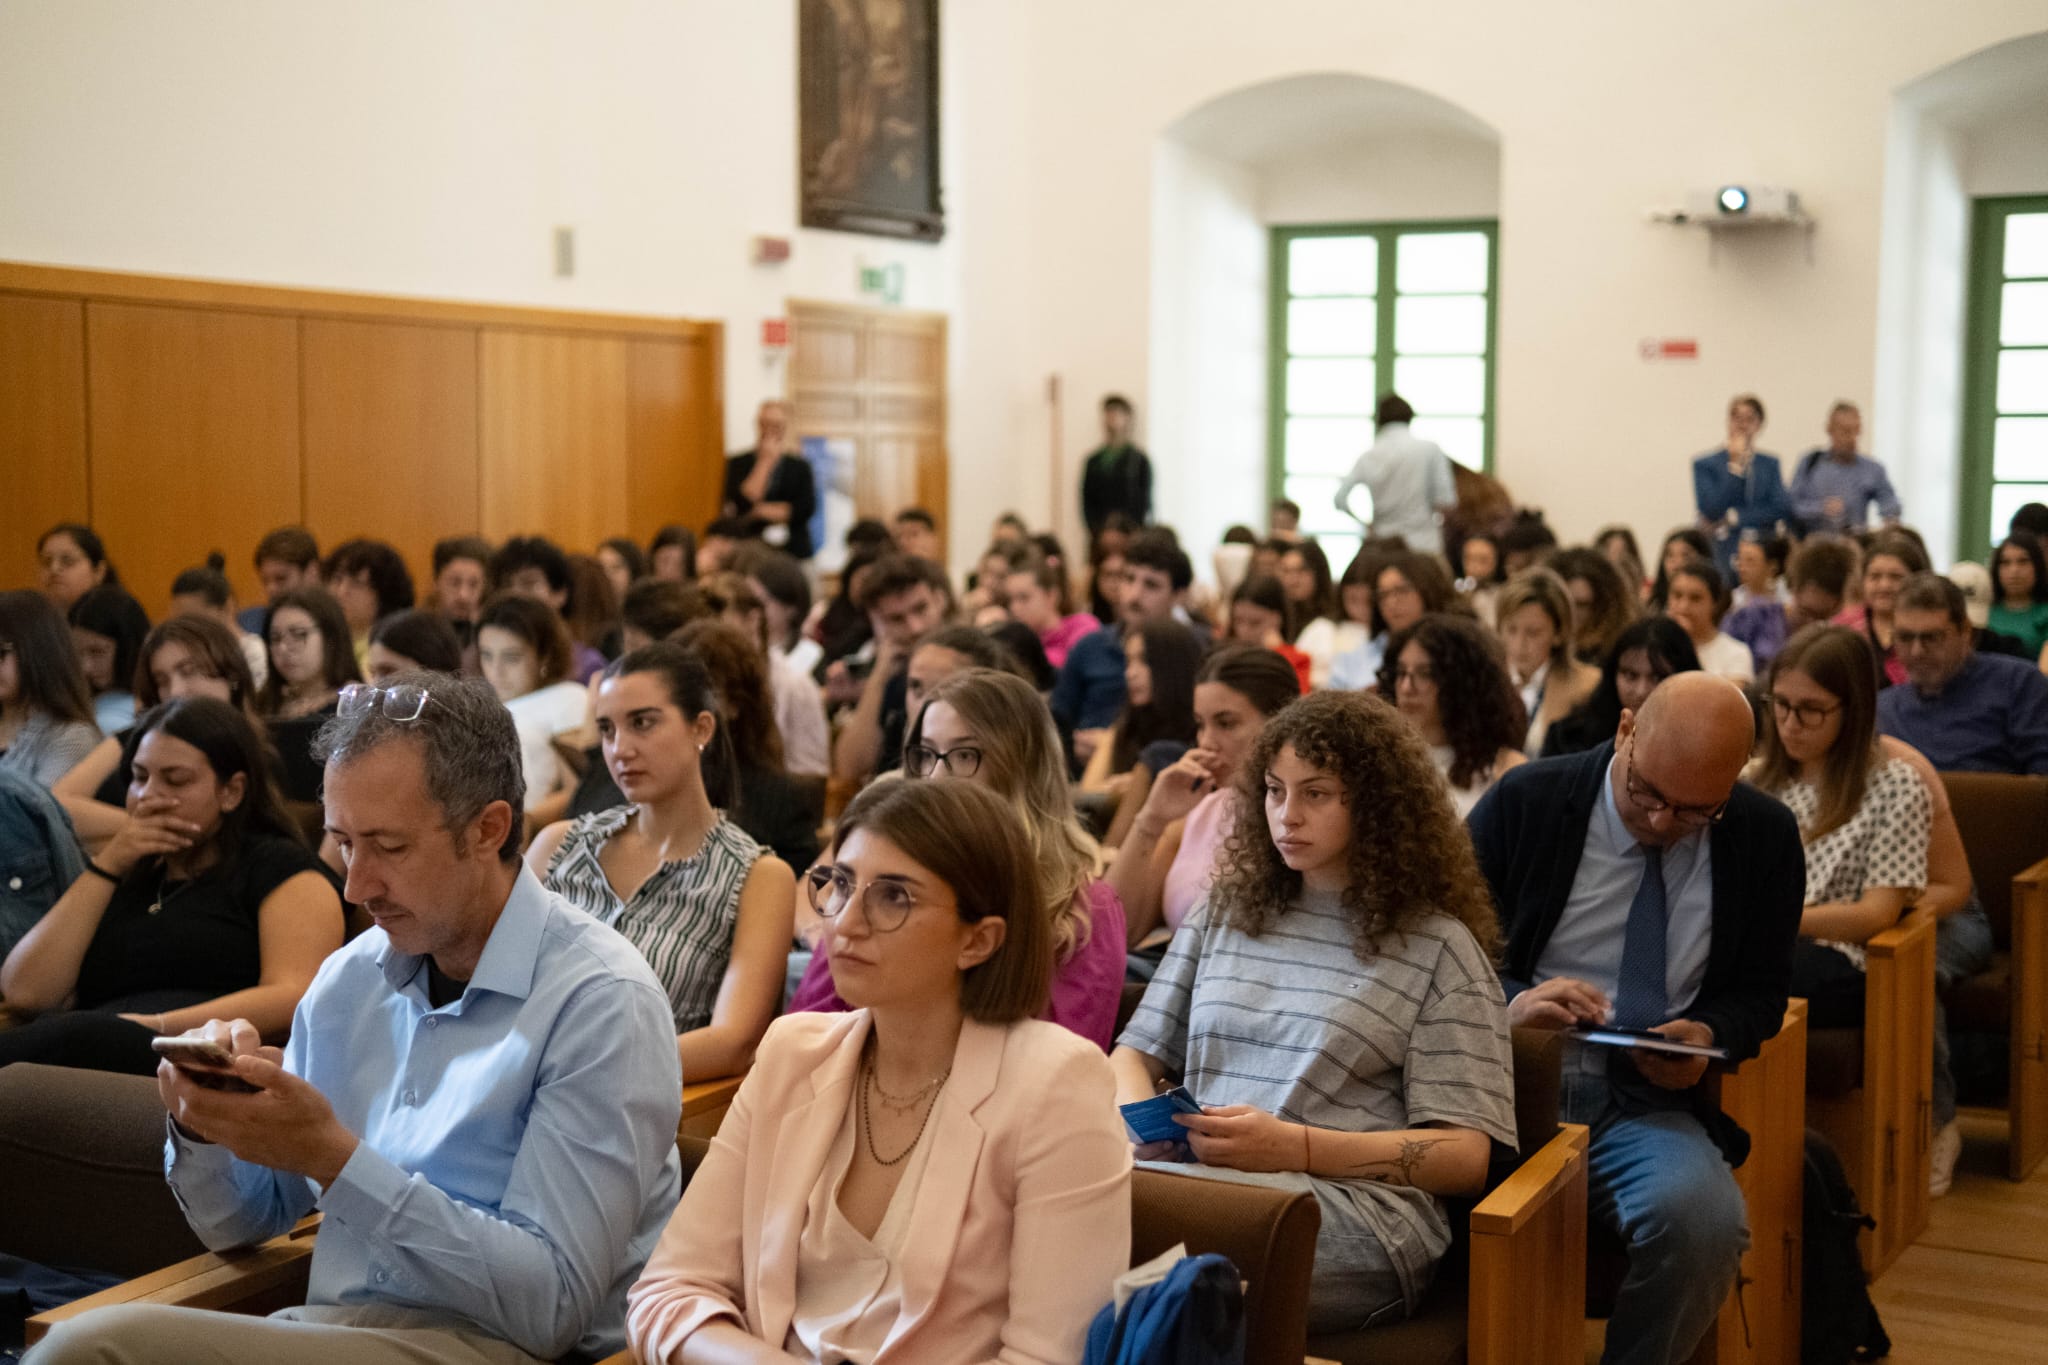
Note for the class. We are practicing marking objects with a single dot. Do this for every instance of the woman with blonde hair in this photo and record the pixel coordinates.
(993, 730)
(1538, 626)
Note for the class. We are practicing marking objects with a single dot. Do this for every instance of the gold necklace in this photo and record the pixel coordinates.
(900, 1104)
(164, 879)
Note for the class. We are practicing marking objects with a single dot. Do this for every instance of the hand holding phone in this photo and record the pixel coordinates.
(203, 1061)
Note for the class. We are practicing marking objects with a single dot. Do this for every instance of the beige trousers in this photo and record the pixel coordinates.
(372, 1334)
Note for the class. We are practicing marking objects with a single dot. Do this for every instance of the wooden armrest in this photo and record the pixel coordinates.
(1901, 938)
(2037, 875)
(704, 1106)
(1523, 1195)
(622, 1358)
(1527, 1301)
(226, 1280)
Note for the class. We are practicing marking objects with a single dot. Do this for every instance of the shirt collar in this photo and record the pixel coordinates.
(511, 955)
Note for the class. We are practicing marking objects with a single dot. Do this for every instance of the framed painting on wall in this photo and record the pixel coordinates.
(868, 116)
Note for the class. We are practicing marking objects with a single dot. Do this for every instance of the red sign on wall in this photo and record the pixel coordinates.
(1669, 348)
(775, 331)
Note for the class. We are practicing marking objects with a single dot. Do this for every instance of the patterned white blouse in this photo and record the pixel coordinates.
(1884, 844)
(682, 917)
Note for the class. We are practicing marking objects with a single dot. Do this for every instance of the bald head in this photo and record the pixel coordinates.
(1687, 746)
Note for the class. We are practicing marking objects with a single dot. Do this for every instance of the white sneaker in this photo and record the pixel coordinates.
(1948, 1145)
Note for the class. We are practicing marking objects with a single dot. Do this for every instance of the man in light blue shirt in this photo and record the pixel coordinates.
(1410, 480)
(480, 1094)
(1834, 488)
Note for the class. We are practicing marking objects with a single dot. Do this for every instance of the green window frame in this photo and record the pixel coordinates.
(1385, 354)
(2005, 369)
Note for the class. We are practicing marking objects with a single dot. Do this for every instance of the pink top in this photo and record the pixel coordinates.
(1194, 866)
(1857, 618)
(1066, 635)
(1086, 988)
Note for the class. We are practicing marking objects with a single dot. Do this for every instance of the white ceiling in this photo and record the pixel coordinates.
(1302, 115)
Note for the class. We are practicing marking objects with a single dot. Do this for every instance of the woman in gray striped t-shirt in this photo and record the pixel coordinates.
(1333, 1007)
(706, 905)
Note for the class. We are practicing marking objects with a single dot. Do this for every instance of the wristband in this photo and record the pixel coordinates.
(101, 872)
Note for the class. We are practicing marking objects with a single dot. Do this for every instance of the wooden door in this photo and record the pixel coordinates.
(876, 378)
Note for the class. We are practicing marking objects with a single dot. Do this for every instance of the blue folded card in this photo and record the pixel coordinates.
(1152, 1120)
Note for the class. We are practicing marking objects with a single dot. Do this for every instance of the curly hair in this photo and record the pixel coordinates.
(739, 673)
(1409, 855)
(1480, 709)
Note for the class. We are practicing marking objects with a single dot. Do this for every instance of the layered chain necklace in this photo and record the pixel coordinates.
(871, 1092)
(164, 898)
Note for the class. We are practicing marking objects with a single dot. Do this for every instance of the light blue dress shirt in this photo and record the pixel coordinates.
(518, 1157)
(1586, 944)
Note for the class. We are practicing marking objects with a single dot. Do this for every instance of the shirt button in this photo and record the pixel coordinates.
(431, 1021)
(14, 883)
(411, 1097)
(381, 1276)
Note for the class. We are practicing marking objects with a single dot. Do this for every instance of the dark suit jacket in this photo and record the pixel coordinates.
(1530, 831)
(1116, 480)
(791, 483)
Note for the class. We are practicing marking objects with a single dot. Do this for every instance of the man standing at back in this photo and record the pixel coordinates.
(1409, 478)
(1118, 475)
(1640, 886)
(1835, 487)
(480, 1093)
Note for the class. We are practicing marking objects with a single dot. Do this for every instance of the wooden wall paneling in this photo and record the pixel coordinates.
(827, 346)
(194, 430)
(43, 477)
(673, 474)
(390, 435)
(554, 436)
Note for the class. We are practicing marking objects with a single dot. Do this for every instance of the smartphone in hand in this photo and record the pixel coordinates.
(204, 1061)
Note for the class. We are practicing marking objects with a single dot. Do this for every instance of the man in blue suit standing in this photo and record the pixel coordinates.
(1739, 488)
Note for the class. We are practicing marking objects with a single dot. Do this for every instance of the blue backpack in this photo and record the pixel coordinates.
(1195, 1316)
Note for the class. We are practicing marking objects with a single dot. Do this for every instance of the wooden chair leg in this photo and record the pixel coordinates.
(1898, 1088)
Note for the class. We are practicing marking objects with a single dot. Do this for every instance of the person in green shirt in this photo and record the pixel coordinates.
(1118, 475)
(2020, 608)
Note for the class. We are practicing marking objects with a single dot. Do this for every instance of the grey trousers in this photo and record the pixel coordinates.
(144, 1334)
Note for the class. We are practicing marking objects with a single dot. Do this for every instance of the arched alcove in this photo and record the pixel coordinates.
(1312, 148)
(1973, 128)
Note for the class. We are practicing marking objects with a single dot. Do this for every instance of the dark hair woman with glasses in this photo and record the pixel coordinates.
(931, 1175)
(1864, 816)
(206, 904)
(703, 902)
(1445, 675)
(46, 723)
(989, 729)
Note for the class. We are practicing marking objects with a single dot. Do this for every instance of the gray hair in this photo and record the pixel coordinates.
(471, 748)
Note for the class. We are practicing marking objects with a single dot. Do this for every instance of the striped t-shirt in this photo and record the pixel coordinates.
(1295, 1023)
(682, 917)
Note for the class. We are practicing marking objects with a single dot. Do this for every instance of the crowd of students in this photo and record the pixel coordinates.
(1291, 828)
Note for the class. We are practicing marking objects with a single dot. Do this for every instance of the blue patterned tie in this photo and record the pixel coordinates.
(1639, 999)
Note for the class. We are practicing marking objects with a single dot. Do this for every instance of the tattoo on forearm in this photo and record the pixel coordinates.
(1399, 1169)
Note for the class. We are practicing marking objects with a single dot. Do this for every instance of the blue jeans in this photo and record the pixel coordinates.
(1660, 1183)
(1962, 948)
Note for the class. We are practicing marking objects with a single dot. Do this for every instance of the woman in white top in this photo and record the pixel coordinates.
(1328, 637)
(1538, 627)
(524, 651)
(1445, 676)
(919, 1179)
(1864, 816)
(1405, 585)
(1696, 597)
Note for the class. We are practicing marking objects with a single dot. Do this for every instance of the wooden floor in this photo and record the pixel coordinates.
(1975, 1286)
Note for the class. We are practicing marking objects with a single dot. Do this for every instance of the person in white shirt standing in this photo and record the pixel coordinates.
(1409, 478)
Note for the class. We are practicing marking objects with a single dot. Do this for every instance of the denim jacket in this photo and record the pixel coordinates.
(39, 855)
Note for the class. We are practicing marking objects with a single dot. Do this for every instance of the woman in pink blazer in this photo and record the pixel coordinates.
(932, 1177)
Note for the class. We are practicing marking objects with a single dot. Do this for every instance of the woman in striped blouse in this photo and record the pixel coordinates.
(707, 905)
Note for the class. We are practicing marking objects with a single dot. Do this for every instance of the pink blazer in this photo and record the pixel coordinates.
(1020, 1226)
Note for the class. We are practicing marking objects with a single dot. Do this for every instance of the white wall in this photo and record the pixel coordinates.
(432, 148)
(1384, 180)
(1208, 361)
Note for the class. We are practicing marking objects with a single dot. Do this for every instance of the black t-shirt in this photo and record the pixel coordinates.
(294, 740)
(205, 935)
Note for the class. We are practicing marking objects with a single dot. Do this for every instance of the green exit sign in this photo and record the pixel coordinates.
(884, 282)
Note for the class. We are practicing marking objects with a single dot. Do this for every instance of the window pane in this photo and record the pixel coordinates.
(2023, 315)
(1333, 265)
(1453, 324)
(2019, 448)
(1340, 549)
(1452, 388)
(2026, 244)
(1440, 263)
(1463, 438)
(1333, 387)
(2022, 381)
(1326, 445)
(1332, 326)
(2007, 498)
(1317, 496)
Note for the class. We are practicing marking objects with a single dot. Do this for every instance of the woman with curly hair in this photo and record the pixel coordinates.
(1333, 1007)
(1444, 674)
